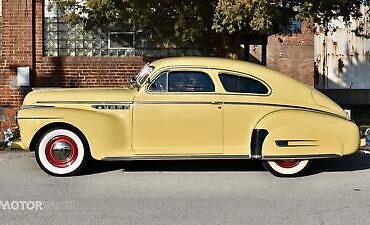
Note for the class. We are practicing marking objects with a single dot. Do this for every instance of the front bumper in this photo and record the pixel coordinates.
(12, 139)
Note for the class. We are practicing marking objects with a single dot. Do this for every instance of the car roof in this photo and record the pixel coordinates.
(282, 86)
(208, 62)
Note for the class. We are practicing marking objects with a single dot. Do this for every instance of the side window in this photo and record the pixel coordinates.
(189, 81)
(160, 84)
(239, 84)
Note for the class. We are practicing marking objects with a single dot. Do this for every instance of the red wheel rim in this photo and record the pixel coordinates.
(287, 163)
(61, 151)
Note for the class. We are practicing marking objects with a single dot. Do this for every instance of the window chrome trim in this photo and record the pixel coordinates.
(146, 70)
(217, 70)
(240, 74)
(154, 80)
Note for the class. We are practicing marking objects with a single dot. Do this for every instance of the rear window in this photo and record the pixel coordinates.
(239, 84)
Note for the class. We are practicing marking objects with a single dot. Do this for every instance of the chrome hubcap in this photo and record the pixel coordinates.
(62, 151)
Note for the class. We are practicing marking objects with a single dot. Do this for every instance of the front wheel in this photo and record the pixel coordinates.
(61, 152)
(286, 168)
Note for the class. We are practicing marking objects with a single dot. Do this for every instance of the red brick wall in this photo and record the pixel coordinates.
(16, 51)
(16, 48)
(9, 123)
(293, 54)
(86, 71)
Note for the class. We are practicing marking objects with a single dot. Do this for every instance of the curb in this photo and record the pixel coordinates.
(15, 147)
(2, 146)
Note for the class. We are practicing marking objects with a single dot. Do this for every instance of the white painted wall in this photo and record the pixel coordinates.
(342, 57)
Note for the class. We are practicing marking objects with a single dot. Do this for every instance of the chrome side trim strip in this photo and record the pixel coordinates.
(294, 146)
(84, 102)
(190, 103)
(241, 103)
(296, 143)
(174, 102)
(111, 107)
(285, 106)
(35, 106)
(313, 156)
(174, 157)
(39, 118)
(180, 157)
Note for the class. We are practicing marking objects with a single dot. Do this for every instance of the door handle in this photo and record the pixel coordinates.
(216, 103)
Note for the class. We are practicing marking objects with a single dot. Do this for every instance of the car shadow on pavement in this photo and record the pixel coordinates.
(177, 166)
(358, 161)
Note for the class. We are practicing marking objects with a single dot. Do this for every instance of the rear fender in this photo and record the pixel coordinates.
(298, 133)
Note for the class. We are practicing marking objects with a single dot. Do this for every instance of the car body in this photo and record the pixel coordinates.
(188, 108)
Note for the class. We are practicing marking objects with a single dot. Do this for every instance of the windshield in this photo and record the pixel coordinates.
(143, 74)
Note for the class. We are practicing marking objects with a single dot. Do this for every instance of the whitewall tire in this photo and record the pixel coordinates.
(286, 167)
(61, 152)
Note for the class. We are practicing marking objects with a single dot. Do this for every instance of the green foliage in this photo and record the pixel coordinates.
(177, 22)
(164, 21)
(250, 16)
(274, 15)
(322, 11)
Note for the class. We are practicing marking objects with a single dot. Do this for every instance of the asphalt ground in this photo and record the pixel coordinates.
(336, 191)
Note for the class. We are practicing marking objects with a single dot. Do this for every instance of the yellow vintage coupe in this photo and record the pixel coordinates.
(187, 108)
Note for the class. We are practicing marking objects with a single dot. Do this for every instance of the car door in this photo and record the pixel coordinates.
(245, 102)
(178, 113)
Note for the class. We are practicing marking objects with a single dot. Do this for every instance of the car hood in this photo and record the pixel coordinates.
(78, 95)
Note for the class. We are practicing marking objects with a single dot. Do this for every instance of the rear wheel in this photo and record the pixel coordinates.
(286, 168)
(61, 152)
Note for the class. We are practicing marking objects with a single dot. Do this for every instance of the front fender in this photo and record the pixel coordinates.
(301, 133)
(108, 132)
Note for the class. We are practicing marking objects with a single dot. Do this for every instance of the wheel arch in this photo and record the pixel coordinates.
(35, 139)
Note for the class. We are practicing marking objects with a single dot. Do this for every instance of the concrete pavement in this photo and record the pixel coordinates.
(187, 192)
